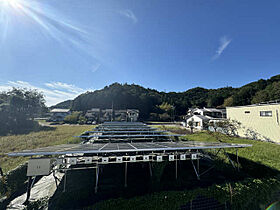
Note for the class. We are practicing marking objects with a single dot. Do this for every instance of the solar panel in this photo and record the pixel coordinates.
(124, 129)
(99, 148)
(129, 131)
(129, 136)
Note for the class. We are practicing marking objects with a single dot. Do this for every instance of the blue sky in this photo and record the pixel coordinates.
(66, 47)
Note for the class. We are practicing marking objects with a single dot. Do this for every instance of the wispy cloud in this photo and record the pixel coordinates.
(64, 86)
(129, 14)
(95, 67)
(224, 42)
(54, 92)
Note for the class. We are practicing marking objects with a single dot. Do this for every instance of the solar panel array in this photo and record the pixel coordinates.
(126, 131)
(108, 148)
(108, 139)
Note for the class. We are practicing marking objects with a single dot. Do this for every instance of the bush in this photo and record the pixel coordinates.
(72, 118)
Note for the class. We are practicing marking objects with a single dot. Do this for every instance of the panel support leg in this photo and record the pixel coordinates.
(65, 177)
(125, 175)
(229, 159)
(28, 192)
(196, 173)
(150, 169)
(176, 168)
(96, 178)
(237, 160)
(55, 179)
(197, 165)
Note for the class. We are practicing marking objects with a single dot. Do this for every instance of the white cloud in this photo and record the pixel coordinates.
(64, 86)
(129, 14)
(54, 92)
(95, 67)
(224, 42)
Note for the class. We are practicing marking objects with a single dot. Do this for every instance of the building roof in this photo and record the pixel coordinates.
(276, 102)
(202, 117)
(95, 110)
(60, 110)
(212, 110)
(206, 110)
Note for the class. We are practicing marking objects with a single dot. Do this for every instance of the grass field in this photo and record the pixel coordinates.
(261, 152)
(49, 136)
(257, 161)
(260, 165)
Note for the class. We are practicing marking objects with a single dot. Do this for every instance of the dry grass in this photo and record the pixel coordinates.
(61, 134)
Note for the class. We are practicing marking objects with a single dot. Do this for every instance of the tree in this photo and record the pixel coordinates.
(228, 102)
(191, 125)
(73, 118)
(18, 107)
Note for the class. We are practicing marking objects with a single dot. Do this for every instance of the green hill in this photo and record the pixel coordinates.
(148, 101)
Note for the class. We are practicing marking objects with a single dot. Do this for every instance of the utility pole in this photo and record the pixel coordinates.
(112, 111)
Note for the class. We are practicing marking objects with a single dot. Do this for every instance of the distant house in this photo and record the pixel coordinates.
(200, 117)
(198, 121)
(107, 115)
(93, 115)
(132, 115)
(120, 115)
(211, 112)
(258, 121)
(58, 115)
(99, 115)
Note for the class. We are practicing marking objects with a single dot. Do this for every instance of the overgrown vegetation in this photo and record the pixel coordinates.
(239, 195)
(54, 136)
(75, 118)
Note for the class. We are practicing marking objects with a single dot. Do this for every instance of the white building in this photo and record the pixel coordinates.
(211, 112)
(258, 121)
(132, 115)
(199, 122)
(58, 115)
(201, 117)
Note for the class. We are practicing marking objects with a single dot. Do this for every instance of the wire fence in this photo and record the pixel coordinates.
(204, 203)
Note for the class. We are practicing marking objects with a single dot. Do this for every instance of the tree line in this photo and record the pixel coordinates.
(156, 105)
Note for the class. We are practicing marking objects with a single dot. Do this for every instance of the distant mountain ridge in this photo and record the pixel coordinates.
(147, 100)
(62, 105)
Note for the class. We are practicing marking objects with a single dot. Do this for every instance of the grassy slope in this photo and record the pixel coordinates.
(261, 152)
(58, 135)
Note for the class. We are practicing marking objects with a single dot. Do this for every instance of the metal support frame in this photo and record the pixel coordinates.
(29, 187)
(56, 179)
(96, 178)
(150, 169)
(229, 159)
(176, 167)
(196, 173)
(65, 177)
(197, 162)
(237, 160)
(125, 174)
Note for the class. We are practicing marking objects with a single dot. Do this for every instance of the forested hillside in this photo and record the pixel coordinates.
(152, 103)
